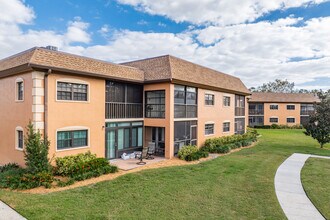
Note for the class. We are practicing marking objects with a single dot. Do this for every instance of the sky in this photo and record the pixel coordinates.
(256, 40)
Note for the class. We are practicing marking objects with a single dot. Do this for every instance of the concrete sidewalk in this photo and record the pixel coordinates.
(290, 192)
(7, 213)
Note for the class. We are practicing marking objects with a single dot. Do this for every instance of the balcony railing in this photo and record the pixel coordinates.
(307, 112)
(123, 110)
(239, 111)
(256, 111)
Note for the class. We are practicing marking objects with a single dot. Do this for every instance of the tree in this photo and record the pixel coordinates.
(276, 86)
(36, 151)
(319, 124)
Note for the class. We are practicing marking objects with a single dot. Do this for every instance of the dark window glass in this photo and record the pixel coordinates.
(273, 120)
(185, 99)
(123, 100)
(256, 120)
(209, 99)
(226, 101)
(209, 129)
(290, 120)
(239, 105)
(185, 133)
(155, 104)
(307, 109)
(20, 139)
(72, 91)
(239, 125)
(226, 126)
(256, 109)
(20, 91)
(273, 107)
(71, 139)
(290, 107)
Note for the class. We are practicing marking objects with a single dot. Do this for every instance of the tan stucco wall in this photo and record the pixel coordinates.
(218, 113)
(166, 122)
(12, 115)
(282, 113)
(89, 114)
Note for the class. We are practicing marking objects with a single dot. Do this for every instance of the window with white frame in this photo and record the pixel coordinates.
(209, 129)
(290, 107)
(19, 89)
(273, 107)
(273, 120)
(226, 126)
(226, 101)
(19, 138)
(290, 120)
(209, 99)
(72, 91)
(72, 139)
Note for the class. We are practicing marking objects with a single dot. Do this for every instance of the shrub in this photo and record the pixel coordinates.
(21, 179)
(9, 166)
(83, 166)
(196, 155)
(187, 150)
(36, 151)
(66, 165)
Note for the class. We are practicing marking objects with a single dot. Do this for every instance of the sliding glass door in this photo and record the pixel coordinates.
(123, 137)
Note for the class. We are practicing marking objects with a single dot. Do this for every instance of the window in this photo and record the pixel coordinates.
(209, 99)
(185, 133)
(239, 105)
(72, 91)
(209, 129)
(273, 107)
(307, 109)
(19, 139)
(185, 102)
(72, 139)
(123, 100)
(290, 120)
(226, 101)
(155, 104)
(239, 125)
(290, 107)
(226, 126)
(273, 120)
(19, 89)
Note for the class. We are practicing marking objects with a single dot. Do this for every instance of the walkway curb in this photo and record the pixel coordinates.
(290, 192)
(7, 213)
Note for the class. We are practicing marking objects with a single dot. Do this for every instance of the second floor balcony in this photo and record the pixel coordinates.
(123, 110)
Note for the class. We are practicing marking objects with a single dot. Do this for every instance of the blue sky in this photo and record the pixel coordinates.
(256, 40)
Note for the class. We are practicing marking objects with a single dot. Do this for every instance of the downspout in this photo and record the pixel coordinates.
(46, 102)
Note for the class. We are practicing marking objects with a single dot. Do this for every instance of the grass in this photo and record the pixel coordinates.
(316, 181)
(236, 186)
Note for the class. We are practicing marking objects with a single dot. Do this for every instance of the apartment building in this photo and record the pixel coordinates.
(281, 108)
(83, 104)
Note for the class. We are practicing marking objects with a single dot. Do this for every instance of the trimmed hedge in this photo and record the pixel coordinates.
(225, 144)
(82, 166)
(191, 153)
(276, 126)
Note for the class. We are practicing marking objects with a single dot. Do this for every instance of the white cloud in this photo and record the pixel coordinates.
(14, 11)
(220, 12)
(257, 52)
(76, 31)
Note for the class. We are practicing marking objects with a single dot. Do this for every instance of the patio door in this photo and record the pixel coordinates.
(111, 144)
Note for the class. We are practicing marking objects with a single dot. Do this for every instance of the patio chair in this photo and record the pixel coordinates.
(143, 154)
(151, 151)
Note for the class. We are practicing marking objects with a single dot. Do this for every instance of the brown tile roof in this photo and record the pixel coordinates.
(179, 70)
(48, 59)
(283, 97)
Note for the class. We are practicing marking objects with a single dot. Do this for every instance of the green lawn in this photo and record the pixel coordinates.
(316, 181)
(237, 186)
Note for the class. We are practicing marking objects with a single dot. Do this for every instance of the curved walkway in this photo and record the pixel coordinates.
(7, 213)
(290, 192)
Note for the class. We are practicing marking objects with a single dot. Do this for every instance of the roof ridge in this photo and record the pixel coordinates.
(84, 57)
(19, 54)
(144, 59)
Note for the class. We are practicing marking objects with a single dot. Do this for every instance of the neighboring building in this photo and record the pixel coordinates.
(281, 108)
(84, 104)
